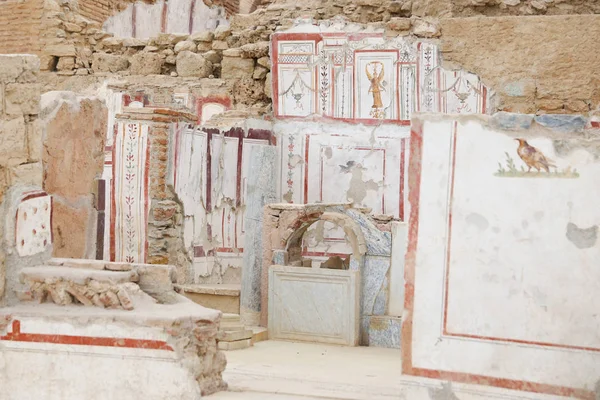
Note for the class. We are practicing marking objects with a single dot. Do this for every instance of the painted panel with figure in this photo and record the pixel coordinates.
(515, 244)
(366, 77)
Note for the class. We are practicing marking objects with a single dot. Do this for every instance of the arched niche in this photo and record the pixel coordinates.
(286, 224)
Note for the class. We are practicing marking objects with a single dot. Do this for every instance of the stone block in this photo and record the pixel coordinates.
(316, 305)
(204, 46)
(222, 32)
(26, 174)
(264, 62)
(425, 28)
(398, 24)
(511, 121)
(235, 52)
(156, 280)
(212, 56)
(206, 36)
(145, 63)
(233, 336)
(191, 64)
(220, 45)
(18, 68)
(61, 50)
(13, 146)
(385, 331)
(65, 63)
(562, 123)
(22, 99)
(238, 345)
(186, 45)
(255, 50)
(103, 62)
(71, 27)
(133, 42)
(260, 73)
(280, 257)
(35, 140)
(236, 68)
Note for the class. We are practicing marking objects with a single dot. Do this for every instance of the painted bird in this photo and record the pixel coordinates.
(532, 157)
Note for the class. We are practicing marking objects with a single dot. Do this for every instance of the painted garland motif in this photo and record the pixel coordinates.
(289, 196)
(130, 194)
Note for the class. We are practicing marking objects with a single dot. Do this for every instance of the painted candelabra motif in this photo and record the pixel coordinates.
(533, 158)
(366, 78)
(375, 71)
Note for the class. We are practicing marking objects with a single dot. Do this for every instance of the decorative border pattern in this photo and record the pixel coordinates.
(130, 193)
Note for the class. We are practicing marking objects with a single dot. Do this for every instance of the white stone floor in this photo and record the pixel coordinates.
(274, 370)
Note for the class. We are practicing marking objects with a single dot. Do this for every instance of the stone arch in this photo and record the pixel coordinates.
(354, 235)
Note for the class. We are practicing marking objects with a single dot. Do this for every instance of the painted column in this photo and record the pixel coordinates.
(261, 190)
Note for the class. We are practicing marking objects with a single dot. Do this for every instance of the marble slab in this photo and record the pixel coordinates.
(314, 305)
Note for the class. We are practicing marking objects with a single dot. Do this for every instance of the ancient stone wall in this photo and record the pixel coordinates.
(20, 26)
(74, 137)
(20, 133)
(100, 10)
(536, 64)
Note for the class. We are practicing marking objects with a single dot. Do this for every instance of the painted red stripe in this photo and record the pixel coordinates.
(416, 149)
(505, 383)
(402, 178)
(306, 169)
(17, 336)
(453, 168)
(163, 17)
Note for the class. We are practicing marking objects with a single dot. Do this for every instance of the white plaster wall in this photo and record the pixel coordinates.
(179, 14)
(48, 371)
(500, 289)
(120, 24)
(147, 16)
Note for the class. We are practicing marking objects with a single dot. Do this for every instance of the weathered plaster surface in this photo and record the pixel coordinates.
(175, 16)
(260, 191)
(74, 140)
(489, 236)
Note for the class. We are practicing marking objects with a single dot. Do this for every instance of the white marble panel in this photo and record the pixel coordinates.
(314, 305)
(33, 230)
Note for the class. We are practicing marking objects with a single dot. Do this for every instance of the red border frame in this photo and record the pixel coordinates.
(416, 151)
(17, 336)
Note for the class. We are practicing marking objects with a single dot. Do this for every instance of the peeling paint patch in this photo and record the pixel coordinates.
(478, 220)
(583, 238)
(445, 393)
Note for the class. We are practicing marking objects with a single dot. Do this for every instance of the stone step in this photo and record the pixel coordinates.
(259, 333)
(222, 297)
(230, 317)
(79, 276)
(237, 345)
(233, 336)
(228, 327)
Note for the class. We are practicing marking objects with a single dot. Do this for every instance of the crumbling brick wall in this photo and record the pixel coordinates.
(20, 26)
(100, 10)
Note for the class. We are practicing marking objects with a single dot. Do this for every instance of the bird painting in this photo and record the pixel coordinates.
(533, 157)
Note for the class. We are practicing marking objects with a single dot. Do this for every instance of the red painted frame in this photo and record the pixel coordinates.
(416, 151)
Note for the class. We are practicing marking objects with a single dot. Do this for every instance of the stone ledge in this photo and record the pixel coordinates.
(215, 289)
(76, 275)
